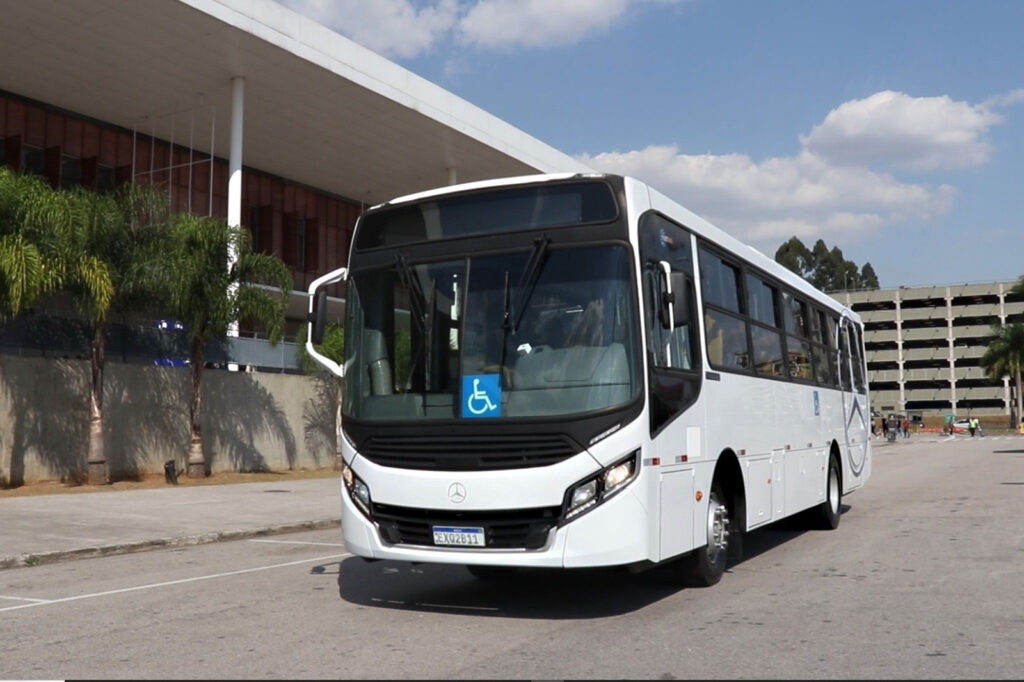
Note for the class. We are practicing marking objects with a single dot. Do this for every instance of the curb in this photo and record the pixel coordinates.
(160, 543)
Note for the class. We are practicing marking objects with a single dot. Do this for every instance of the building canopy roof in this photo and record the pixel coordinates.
(319, 109)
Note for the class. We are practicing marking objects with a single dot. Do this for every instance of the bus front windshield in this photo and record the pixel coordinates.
(547, 331)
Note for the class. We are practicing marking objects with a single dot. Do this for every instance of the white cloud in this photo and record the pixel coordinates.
(1005, 99)
(536, 23)
(837, 186)
(410, 28)
(915, 133)
(394, 28)
(840, 184)
(765, 203)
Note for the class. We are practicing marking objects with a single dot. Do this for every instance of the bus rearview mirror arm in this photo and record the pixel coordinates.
(316, 319)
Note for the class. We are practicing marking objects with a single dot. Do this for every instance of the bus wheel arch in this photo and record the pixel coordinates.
(826, 515)
(728, 477)
(704, 566)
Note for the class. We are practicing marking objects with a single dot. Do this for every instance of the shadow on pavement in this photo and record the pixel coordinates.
(530, 593)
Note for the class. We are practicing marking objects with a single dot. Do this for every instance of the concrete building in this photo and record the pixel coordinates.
(924, 345)
(240, 109)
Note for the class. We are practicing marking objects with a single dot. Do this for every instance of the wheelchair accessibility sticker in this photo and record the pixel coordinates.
(481, 395)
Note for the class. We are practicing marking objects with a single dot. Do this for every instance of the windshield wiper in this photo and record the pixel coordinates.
(417, 299)
(527, 282)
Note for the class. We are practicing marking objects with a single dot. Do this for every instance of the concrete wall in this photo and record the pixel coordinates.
(252, 421)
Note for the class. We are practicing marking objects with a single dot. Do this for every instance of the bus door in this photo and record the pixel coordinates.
(857, 420)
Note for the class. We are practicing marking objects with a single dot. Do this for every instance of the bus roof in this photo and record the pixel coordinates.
(485, 184)
(658, 201)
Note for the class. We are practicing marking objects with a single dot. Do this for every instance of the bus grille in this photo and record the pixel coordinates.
(507, 529)
(468, 453)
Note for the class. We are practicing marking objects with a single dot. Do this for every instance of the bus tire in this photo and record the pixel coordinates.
(492, 572)
(705, 566)
(826, 516)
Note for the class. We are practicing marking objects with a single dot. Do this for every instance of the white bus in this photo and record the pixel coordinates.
(572, 370)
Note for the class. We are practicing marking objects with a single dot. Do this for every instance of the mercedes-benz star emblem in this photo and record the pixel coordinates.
(456, 492)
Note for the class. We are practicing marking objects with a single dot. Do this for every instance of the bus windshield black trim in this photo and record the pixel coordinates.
(492, 211)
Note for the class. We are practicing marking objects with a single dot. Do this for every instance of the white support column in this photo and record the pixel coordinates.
(951, 343)
(453, 178)
(235, 160)
(235, 178)
(1007, 392)
(901, 368)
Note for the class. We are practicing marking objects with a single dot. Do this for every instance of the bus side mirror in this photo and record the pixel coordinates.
(318, 317)
(674, 300)
(682, 287)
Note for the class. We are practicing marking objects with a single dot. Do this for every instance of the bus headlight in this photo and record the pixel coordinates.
(593, 491)
(357, 490)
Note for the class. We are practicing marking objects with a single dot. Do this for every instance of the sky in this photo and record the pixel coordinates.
(891, 129)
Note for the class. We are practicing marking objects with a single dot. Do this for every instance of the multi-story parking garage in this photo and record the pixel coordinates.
(924, 346)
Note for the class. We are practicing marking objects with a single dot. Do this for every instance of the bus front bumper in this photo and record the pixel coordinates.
(611, 534)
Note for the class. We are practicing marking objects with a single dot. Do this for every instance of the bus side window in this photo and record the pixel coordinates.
(673, 354)
(762, 306)
(829, 323)
(824, 363)
(798, 346)
(724, 330)
(858, 360)
(663, 242)
(727, 340)
(844, 357)
(670, 348)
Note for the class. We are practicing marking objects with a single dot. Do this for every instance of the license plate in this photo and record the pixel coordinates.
(458, 536)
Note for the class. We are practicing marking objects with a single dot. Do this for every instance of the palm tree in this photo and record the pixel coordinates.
(50, 245)
(208, 294)
(28, 260)
(1005, 355)
(109, 246)
(99, 250)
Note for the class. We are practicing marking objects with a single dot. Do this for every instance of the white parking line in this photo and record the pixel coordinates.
(4, 596)
(182, 581)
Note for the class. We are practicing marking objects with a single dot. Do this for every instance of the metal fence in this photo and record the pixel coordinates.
(160, 343)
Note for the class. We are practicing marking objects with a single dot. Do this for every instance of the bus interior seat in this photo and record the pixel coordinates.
(378, 366)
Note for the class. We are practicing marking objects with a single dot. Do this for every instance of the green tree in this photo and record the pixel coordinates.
(89, 246)
(868, 277)
(213, 277)
(827, 269)
(794, 255)
(109, 245)
(1005, 356)
(333, 348)
(28, 255)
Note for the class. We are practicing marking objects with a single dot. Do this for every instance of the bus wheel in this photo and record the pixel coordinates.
(826, 516)
(705, 565)
(493, 572)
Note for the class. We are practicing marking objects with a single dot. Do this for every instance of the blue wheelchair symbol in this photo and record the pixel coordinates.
(817, 405)
(481, 395)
